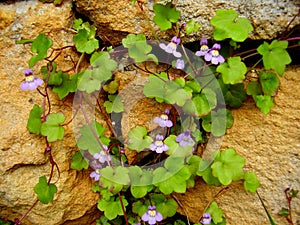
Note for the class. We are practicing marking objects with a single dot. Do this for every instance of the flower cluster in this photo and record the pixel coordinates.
(97, 161)
(30, 82)
(210, 55)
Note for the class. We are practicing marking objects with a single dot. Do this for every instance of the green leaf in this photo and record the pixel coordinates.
(52, 128)
(165, 15)
(111, 87)
(141, 181)
(112, 208)
(192, 26)
(172, 177)
(40, 45)
(167, 208)
(218, 121)
(77, 24)
(102, 221)
(140, 208)
(275, 55)
(203, 102)
(235, 95)
(45, 192)
(68, 85)
(205, 172)
(234, 71)
(254, 89)
(34, 122)
(138, 139)
(104, 62)
(114, 104)
(103, 66)
(228, 166)
(114, 178)
(55, 78)
(265, 103)
(269, 83)
(165, 90)
(284, 212)
(215, 212)
(177, 150)
(79, 162)
(88, 82)
(251, 182)
(138, 49)
(89, 141)
(227, 24)
(85, 41)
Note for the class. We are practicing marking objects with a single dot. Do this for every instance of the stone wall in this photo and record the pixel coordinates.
(270, 143)
(22, 158)
(269, 17)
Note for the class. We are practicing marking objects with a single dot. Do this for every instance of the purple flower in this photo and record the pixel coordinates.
(185, 139)
(163, 120)
(158, 145)
(102, 156)
(206, 218)
(203, 49)
(30, 83)
(179, 64)
(95, 174)
(214, 56)
(152, 216)
(171, 47)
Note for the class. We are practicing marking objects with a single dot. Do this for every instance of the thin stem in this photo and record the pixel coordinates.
(289, 200)
(256, 63)
(18, 221)
(293, 39)
(213, 199)
(247, 56)
(107, 119)
(185, 211)
(123, 208)
(78, 63)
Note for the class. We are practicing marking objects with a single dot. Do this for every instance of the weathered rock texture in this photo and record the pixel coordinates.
(269, 18)
(271, 146)
(22, 158)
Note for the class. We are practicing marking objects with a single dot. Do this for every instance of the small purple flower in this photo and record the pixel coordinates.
(158, 145)
(179, 64)
(206, 218)
(214, 56)
(203, 48)
(102, 156)
(185, 139)
(152, 216)
(171, 47)
(95, 174)
(163, 119)
(30, 83)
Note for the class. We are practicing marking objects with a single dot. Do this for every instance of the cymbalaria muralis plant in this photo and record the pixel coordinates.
(196, 91)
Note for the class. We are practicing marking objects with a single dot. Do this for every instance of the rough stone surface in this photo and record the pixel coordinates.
(269, 18)
(271, 145)
(22, 158)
